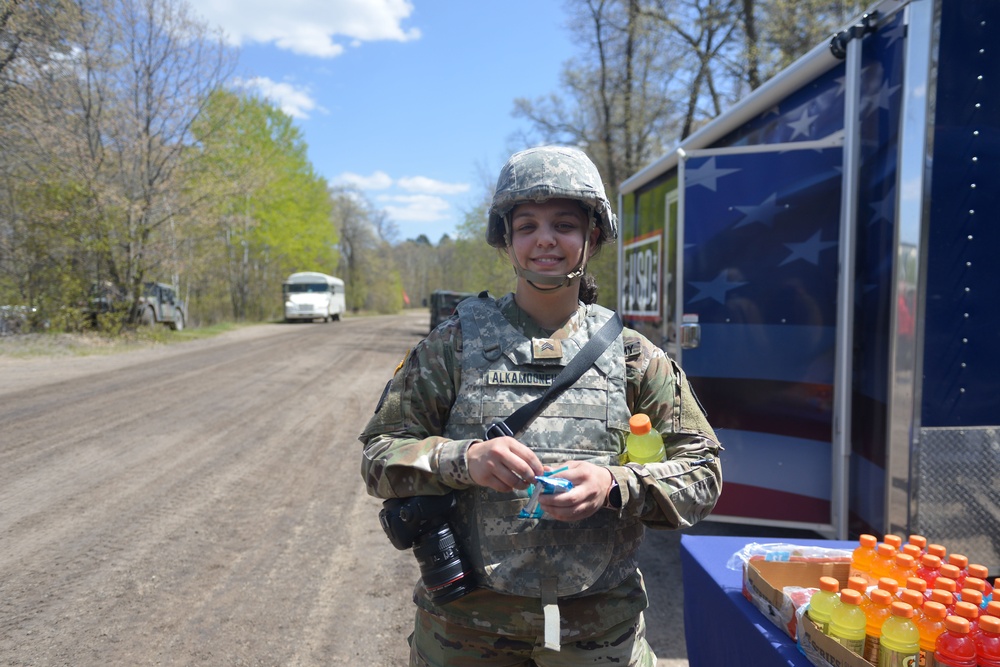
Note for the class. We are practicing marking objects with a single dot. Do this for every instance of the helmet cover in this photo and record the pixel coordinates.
(550, 172)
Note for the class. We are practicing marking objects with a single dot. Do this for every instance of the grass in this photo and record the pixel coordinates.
(93, 343)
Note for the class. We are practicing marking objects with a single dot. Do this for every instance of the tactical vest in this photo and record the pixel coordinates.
(502, 370)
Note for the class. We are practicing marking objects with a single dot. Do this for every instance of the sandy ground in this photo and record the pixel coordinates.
(201, 504)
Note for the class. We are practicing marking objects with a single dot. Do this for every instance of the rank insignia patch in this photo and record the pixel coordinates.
(546, 348)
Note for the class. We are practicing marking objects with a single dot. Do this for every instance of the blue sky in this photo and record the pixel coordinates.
(409, 100)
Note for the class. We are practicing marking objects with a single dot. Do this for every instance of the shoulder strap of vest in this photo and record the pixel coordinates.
(583, 360)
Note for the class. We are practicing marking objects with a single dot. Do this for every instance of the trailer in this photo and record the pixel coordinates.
(819, 260)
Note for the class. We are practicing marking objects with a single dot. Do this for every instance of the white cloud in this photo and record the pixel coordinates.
(379, 180)
(311, 27)
(429, 186)
(415, 208)
(295, 101)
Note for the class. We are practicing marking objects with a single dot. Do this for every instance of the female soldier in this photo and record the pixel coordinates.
(562, 588)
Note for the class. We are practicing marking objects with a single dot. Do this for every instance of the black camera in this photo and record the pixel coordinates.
(421, 522)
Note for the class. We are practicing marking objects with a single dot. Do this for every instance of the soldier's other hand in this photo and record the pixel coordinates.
(503, 464)
(591, 484)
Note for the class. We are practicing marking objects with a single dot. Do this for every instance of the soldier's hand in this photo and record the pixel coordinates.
(591, 484)
(503, 464)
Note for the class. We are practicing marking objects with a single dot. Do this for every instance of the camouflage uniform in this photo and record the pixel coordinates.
(408, 452)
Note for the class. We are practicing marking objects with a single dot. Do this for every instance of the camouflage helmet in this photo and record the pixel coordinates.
(550, 172)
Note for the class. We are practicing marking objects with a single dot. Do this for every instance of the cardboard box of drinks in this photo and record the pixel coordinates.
(773, 587)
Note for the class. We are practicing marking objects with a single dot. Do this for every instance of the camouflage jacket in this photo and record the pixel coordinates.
(406, 453)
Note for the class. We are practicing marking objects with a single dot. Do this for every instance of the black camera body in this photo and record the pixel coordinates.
(421, 522)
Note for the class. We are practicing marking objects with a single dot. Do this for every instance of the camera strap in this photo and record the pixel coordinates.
(585, 358)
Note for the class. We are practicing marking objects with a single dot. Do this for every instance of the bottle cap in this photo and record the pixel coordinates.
(993, 608)
(918, 541)
(860, 584)
(916, 584)
(885, 550)
(951, 571)
(895, 541)
(937, 550)
(943, 597)
(911, 597)
(966, 610)
(829, 584)
(888, 584)
(868, 540)
(957, 624)
(979, 571)
(972, 596)
(639, 424)
(989, 624)
(902, 609)
(959, 561)
(977, 584)
(946, 584)
(931, 561)
(914, 551)
(904, 561)
(881, 597)
(850, 596)
(935, 609)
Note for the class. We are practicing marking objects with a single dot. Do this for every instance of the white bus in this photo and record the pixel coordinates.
(310, 296)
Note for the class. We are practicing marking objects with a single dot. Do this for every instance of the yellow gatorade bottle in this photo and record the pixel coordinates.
(900, 644)
(822, 602)
(643, 443)
(847, 622)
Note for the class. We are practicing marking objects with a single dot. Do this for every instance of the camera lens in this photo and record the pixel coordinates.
(441, 567)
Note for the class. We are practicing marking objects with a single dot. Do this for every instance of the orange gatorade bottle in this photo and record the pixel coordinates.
(929, 627)
(862, 556)
(876, 615)
(895, 541)
(902, 569)
(900, 644)
(822, 602)
(884, 561)
(847, 622)
(954, 647)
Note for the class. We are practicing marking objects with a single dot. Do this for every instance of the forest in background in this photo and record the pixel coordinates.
(128, 154)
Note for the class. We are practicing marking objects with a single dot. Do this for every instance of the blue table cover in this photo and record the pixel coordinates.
(721, 627)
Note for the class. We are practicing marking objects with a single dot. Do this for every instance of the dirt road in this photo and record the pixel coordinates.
(201, 504)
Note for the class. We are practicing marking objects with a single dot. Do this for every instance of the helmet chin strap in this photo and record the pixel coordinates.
(552, 283)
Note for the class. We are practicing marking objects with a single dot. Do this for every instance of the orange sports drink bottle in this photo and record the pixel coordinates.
(902, 569)
(895, 541)
(962, 563)
(954, 647)
(884, 561)
(900, 645)
(847, 622)
(876, 615)
(862, 556)
(930, 626)
(919, 541)
(823, 601)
